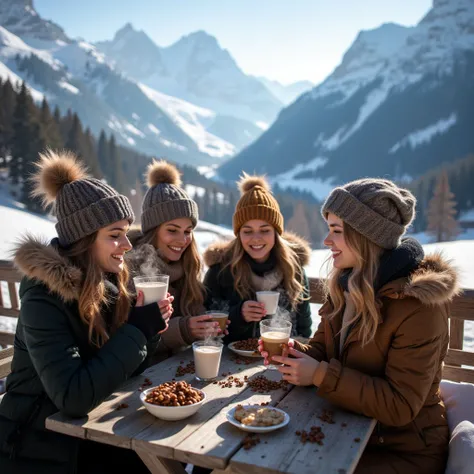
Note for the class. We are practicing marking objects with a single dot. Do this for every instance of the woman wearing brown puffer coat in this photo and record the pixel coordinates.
(383, 335)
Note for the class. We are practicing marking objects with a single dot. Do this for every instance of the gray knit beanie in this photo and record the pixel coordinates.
(376, 208)
(83, 205)
(165, 200)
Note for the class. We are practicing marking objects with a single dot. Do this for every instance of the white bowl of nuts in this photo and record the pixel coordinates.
(173, 400)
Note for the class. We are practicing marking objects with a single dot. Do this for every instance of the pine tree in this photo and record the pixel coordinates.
(26, 144)
(7, 109)
(49, 127)
(116, 175)
(90, 151)
(442, 211)
(103, 154)
(299, 222)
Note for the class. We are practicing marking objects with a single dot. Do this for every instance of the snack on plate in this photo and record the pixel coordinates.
(174, 394)
(247, 345)
(255, 416)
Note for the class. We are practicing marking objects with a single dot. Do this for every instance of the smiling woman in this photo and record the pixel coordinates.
(80, 335)
(261, 258)
(165, 245)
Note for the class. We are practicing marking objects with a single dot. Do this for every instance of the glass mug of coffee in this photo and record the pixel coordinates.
(274, 335)
(270, 300)
(154, 287)
(207, 359)
(220, 317)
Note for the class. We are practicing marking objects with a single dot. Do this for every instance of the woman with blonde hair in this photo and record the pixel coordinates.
(80, 335)
(166, 245)
(383, 335)
(260, 258)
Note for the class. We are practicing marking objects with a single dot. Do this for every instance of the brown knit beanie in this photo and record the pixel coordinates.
(256, 202)
(82, 204)
(376, 208)
(165, 200)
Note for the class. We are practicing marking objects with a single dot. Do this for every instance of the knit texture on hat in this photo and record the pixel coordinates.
(256, 202)
(82, 204)
(376, 208)
(165, 200)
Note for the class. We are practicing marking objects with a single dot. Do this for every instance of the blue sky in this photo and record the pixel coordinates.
(286, 40)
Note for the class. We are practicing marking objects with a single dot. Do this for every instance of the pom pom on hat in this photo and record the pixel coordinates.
(54, 171)
(248, 182)
(159, 172)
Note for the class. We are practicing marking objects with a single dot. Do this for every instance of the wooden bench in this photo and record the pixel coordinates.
(462, 309)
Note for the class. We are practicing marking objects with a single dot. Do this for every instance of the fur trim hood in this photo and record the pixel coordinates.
(434, 282)
(41, 261)
(219, 252)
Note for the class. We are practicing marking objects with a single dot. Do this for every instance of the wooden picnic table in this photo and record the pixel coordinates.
(207, 439)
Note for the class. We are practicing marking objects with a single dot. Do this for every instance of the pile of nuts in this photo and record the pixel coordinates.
(326, 416)
(261, 384)
(174, 394)
(187, 369)
(247, 345)
(315, 435)
(250, 440)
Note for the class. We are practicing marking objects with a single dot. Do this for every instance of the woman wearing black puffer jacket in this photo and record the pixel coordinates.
(78, 336)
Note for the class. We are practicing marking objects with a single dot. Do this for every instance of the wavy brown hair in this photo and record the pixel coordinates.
(192, 292)
(287, 263)
(93, 297)
(361, 284)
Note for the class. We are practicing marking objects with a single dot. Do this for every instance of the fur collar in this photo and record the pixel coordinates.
(218, 252)
(41, 261)
(434, 282)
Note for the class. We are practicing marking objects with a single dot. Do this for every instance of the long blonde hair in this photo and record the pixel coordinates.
(287, 263)
(93, 297)
(361, 284)
(192, 292)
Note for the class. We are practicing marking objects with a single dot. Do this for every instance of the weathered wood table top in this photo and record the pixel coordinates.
(207, 439)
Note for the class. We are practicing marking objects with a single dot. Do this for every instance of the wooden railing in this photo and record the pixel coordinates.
(462, 309)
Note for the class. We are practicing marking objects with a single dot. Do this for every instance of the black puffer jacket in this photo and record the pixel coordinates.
(54, 366)
(221, 292)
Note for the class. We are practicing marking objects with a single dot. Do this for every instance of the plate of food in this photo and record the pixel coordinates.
(246, 348)
(257, 418)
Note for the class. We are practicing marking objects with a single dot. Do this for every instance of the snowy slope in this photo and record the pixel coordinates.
(193, 120)
(75, 75)
(395, 106)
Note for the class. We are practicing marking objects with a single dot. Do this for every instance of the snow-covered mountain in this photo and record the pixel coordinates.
(286, 93)
(75, 74)
(21, 18)
(195, 69)
(400, 103)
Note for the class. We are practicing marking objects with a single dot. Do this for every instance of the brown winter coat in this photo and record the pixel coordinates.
(395, 378)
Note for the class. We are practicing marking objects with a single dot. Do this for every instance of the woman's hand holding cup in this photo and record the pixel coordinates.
(202, 326)
(291, 344)
(253, 311)
(165, 306)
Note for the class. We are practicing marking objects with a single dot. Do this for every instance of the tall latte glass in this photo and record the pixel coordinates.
(274, 335)
(154, 287)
